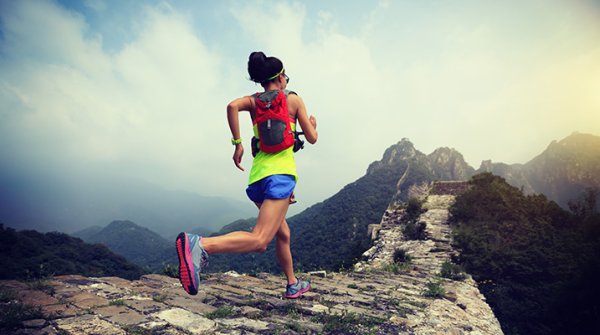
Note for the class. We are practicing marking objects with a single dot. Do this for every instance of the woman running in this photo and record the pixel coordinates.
(272, 178)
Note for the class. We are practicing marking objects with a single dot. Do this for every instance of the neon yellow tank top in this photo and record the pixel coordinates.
(265, 165)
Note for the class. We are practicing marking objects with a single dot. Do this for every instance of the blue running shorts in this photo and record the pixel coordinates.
(277, 186)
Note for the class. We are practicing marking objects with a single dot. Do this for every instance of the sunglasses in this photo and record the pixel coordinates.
(282, 72)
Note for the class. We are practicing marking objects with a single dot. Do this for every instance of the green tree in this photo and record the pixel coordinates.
(534, 261)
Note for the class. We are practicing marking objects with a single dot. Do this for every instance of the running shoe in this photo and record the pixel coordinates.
(293, 291)
(192, 258)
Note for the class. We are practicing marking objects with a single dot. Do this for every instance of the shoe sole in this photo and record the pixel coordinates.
(299, 293)
(186, 272)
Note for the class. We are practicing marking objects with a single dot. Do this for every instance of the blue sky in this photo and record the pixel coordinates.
(139, 89)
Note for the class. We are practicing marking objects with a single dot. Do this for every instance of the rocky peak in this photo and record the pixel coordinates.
(449, 164)
(401, 151)
(404, 149)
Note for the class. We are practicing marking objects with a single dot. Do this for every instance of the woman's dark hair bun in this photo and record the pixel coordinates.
(261, 67)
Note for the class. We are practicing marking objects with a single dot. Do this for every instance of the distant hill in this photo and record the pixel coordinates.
(566, 168)
(137, 244)
(29, 254)
(87, 233)
(69, 204)
(562, 172)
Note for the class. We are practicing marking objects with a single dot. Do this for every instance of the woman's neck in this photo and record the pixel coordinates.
(272, 86)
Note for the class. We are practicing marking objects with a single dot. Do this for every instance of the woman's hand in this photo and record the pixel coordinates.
(313, 121)
(237, 156)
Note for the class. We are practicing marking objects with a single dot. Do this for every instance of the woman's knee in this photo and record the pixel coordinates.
(261, 243)
(283, 235)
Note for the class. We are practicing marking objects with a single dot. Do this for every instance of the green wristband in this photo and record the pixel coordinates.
(235, 142)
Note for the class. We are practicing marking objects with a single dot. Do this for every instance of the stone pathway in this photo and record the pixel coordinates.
(463, 309)
(372, 299)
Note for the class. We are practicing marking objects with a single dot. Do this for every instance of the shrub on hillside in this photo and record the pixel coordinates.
(536, 263)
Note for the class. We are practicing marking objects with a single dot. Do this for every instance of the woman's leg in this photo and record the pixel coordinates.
(284, 253)
(270, 217)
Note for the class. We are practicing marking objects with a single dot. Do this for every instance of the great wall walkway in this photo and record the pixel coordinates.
(373, 299)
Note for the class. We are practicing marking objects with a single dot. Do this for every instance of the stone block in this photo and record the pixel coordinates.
(159, 281)
(231, 289)
(190, 305)
(250, 312)
(75, 279)
(317, 308)
(245, 323)
(322, 274)
(66, 291)
(88, 324)
(36, 298)
(189, 321)
(146, 306)
(88, 300)
(60, 311)
(36, 323)
(13, 285)
(121, 315)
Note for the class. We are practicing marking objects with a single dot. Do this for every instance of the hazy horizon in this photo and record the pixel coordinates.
(138, 90)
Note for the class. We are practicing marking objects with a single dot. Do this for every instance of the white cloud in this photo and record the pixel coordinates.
(97, 5)
(152, 110)
(154, 107)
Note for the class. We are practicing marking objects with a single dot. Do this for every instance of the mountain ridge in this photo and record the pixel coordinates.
(136, 243)
(343, 218)
(29, 254)
(561, 172)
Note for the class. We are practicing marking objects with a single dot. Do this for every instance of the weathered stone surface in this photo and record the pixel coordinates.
(250, 312)
(463, 307)
(245, 323)
(145, 306)
(187, 320)
(13, 285)
(88, 324)
(190, 305)
(38, 298)
(121, 315)
(159, 281)
(75, 279)
(37, 323)
(59, 311)
(88, 300)
(390, 299)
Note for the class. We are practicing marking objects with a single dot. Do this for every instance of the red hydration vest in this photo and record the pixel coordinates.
(273, 121)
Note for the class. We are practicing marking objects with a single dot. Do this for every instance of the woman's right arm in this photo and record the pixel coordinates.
(233, 108)
(308, 124)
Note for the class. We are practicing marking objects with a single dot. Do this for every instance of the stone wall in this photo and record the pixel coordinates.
(448, 187)
(378, 297)
(461, 309)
